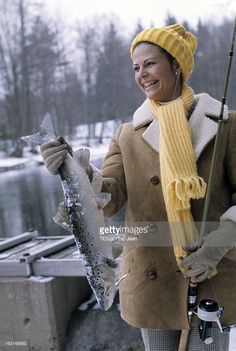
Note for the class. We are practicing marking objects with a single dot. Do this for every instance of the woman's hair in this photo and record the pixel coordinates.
(169, 57)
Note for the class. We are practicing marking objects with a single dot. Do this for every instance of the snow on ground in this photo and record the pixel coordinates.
(13, 161)
(97, 150)
(9, 163)
(6, 163)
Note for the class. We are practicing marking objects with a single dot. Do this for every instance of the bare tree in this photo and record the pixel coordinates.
(116, 93)
(88, 43)
(14, 66)
(9, 68)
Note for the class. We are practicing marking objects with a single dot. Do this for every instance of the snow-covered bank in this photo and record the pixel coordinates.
(97, 150)
(10, 163)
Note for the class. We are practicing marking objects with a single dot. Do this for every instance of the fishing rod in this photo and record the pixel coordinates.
(217, 140)
(192, 290)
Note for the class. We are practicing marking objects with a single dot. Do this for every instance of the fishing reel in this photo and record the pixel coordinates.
(208, 312)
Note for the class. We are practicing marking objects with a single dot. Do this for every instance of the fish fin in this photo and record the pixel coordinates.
(82, 157)
(96, 185)
(102, 199)
(116, 250)
(46, 133)
(96, 179)
(36, 139)
(62, 216)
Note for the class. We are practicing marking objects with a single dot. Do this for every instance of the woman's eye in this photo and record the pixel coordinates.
(136, 69)
(150, 63)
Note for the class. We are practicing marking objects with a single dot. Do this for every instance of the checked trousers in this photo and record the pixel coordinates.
(168, 340)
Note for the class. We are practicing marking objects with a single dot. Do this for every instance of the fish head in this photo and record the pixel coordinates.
(106, 299)
(105, 288)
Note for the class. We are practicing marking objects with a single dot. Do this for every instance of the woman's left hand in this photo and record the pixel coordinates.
(202, 263)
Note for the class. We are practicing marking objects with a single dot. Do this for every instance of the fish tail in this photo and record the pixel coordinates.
(46, 133)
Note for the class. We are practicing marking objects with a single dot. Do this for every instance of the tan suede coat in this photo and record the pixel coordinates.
(154, 293)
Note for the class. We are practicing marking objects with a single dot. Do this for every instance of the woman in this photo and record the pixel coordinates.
(159, 164)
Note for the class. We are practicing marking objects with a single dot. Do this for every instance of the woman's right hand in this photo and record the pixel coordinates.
(53, 154)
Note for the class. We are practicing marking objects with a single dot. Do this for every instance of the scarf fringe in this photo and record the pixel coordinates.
(181, 190)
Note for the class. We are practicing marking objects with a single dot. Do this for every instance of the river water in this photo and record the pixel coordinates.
(28, 200)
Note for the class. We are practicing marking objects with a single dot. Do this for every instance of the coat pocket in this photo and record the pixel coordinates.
(140, 265)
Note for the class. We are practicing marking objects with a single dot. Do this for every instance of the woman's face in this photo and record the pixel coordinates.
(154, 74)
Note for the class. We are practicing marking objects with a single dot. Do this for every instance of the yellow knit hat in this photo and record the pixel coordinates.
(175, 40)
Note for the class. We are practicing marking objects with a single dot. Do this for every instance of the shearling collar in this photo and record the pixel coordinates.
(203, 128)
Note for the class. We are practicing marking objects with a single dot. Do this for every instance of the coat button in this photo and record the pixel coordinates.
(155, 180)
(152, 275)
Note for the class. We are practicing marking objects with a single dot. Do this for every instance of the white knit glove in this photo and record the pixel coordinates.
(54, 153)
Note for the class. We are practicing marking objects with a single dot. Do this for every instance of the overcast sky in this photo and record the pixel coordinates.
(129, 11)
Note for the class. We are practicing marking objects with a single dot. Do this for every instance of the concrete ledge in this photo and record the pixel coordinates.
(35, 311)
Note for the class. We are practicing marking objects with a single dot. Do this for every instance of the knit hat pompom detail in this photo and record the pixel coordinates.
(180, 43)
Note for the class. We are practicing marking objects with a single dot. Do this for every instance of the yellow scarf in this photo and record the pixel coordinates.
(180, 181)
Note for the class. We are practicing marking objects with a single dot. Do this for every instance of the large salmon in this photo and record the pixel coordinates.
(85, 217)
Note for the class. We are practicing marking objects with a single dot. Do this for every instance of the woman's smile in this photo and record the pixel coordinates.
(148, 85)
